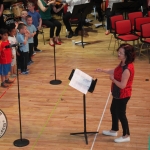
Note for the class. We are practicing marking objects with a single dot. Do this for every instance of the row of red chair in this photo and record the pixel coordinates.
(131, 29)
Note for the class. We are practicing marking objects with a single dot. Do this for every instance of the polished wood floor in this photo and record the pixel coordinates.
(51, 112)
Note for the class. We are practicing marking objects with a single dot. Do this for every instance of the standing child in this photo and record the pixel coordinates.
(22, 38)
(37, 22)
(5, 58)
(31, 28)
(12, 40)
(24, 14)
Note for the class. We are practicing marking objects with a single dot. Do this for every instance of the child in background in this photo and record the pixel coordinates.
(5, 58)
(37, 22)
(24, 14)
(31, 28)
(12, 40)
(22, 38)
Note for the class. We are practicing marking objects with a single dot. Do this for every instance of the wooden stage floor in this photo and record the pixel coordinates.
(51, 112)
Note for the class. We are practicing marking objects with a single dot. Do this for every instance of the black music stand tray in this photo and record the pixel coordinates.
(91, 89)
(80, 12)
(125, 7)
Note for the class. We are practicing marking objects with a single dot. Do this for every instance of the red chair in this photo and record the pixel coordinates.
(138, 23)
(133, 15)
(145, 38)
(113, 19)
(148, 13)
(123, 31)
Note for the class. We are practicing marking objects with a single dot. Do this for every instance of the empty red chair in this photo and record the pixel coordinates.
(113, 19)
(133, 15)
(123, 31)
(148, 13)
(145, 38)
(139, 22)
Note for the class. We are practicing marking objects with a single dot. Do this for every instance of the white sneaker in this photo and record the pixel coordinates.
(108, 132)
(121, 139)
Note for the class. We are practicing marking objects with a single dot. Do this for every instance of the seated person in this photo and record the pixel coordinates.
(67, 16)
(45, 7)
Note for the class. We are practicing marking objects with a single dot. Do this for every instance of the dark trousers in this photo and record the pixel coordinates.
(52, 23)
(99, 10)
(31, 45)
(24, 60)
(18, 57)
(36, 40)
(66, 18)
(109, 14)
(118, 112)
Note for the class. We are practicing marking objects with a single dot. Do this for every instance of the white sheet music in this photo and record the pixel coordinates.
(81, 81)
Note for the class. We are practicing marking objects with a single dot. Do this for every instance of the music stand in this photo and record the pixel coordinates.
(90, 89)
(80, 12)
(124, 7)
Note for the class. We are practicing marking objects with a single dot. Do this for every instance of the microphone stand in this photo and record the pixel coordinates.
(55, 81)
(20, 142)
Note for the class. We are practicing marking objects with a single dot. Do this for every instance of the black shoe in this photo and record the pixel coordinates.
(4, 85)
(8, 81)
(70, 35)
(37, 50)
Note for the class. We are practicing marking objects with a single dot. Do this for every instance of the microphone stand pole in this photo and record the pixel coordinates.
(20, 142)
(55, 81)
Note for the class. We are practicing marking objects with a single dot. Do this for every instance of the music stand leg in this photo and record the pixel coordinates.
(55, 81)
(82, 43)
(84, 113)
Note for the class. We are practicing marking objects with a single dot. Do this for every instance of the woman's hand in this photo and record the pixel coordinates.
(50, 2)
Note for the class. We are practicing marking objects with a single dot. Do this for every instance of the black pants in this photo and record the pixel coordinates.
(52, 23)
(118, 112)
(66, 18)
(99, 10)
(36, 40)
(24, 60)
(109, 14)
(31, 45)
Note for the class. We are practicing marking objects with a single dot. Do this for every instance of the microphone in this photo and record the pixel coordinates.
(11, 45)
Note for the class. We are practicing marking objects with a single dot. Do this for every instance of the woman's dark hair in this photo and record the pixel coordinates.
(129, 52)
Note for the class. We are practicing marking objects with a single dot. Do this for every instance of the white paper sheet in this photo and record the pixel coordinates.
(81, 81)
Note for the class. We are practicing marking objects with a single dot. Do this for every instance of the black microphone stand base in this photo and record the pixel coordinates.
(85, 135)
(55, 82)
(21, 142)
